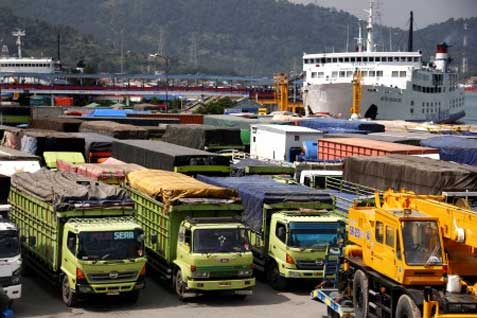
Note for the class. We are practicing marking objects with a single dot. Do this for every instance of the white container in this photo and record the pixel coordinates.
(453, 284)
(277, 142)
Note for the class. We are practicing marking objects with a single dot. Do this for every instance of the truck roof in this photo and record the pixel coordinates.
(255, 191)
(6, 225)
(103, 224)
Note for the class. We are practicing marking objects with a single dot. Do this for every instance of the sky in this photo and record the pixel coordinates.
(396, 12)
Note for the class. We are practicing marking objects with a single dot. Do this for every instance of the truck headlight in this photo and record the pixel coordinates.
(199, 275)
(16, 276)
(245, 273)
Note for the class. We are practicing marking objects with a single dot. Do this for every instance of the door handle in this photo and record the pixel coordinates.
(274, 246)
(66, 260)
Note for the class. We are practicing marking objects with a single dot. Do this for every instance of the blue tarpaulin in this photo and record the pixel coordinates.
(341, 124)
(255, 191)
(311, 150)
(452, 148)
(107, 112)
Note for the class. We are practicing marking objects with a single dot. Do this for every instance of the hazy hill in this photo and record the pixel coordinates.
(244, 37)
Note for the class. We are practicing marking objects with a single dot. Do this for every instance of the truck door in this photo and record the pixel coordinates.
(68, 257)
(278, 243)
(384, 252)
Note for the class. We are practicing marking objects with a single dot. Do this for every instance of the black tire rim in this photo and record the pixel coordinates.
(66, 290)
(359, 296)
(179, 284)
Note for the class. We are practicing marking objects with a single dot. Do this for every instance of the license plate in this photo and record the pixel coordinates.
(112, 293)
(225, 284)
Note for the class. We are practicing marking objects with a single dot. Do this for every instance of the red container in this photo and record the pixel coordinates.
(183, 118)
(339, 148)
(63, 101)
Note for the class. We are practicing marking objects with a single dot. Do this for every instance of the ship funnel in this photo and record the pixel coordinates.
(442, 57)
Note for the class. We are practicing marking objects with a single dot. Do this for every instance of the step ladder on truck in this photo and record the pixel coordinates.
(409, 256)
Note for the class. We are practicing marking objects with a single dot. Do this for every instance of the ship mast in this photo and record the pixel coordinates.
(369, 28)
(19, 34)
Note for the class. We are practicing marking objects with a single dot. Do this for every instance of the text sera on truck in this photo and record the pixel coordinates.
(192, 238)
(79, 233)
(295, 231)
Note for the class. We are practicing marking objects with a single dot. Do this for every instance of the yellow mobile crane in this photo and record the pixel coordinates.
(400, 254)
(357, 93)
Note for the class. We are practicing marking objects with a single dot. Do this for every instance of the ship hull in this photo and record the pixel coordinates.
(384, 103)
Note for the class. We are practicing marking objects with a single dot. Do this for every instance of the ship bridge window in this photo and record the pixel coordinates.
(390, 59)
(313, 74)
(377, 59)
(342, 74)
(349, 73)
(409, 58)
(396, 59)
(402, 74)
(334, 74)
(323, 60)
(364, 73)
(358, 59)
(416, 59)
(403, 59)
(372, 73)
(379, 73)
(365, 59)
(371, 59)
(346, 59)
(340, 60)
(395, 74)
(328, 60)
(353, 60)
(335, 60)
(321, 74)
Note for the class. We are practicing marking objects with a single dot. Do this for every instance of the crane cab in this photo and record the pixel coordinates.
(404, 245)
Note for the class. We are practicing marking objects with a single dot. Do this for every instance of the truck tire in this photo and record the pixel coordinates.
(407, 308)
(360, 294)
(179, 285)
(277, 281)
(69, 298)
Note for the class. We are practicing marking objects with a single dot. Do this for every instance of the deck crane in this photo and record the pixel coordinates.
(357, 93)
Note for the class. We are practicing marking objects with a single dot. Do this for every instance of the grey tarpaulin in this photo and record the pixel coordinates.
(421, 175)
(202, 136)
(255, 191)
(64, 190)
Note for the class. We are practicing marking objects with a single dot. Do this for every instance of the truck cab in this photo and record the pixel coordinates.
(11, 261)
(302, 245)
(213, 254)
(102, 256)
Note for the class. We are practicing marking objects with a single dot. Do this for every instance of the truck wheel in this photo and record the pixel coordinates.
(179, 285)
(406, 308)
(360, 294)
(277, 281)
(332, 313)
(69, 298)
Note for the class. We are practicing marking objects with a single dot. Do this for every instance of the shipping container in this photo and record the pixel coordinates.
(280, 142)
(339, 148)
(63, 101)
(182, 118)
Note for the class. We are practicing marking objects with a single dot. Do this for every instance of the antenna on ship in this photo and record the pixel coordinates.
(359, 39)
(369, 28)
(465, 62)
(19, 34)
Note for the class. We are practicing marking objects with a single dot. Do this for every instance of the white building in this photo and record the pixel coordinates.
(279, 142)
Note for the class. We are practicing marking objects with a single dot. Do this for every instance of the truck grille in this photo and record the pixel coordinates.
(112, 276)
(224, 274)
(5, 281)
(310, 264)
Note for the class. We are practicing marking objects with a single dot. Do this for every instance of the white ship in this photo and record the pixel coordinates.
(395, 85)
(24, 65)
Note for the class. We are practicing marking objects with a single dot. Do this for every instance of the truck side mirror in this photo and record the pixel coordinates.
(153, 238)
(32, 240)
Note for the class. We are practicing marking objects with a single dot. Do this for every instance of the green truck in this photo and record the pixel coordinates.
(192, 237)
(295, 231)
(78, 233)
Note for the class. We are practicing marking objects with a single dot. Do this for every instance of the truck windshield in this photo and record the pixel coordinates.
(9, 244)
(111, 245)
(422, 245)
(313, 235)
(220, 241)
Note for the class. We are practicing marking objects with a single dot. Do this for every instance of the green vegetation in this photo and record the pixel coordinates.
(243, 37)
(216, 107)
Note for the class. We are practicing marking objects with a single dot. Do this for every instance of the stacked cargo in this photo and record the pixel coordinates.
(110, 171)
(203, 137)
(421, 175)
(97, 147)
(453, 148)
(115, 130)
(258, 167)
(162, 155)
(58, 124)
(339, 148)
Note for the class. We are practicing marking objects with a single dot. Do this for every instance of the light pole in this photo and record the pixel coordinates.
(167, 60)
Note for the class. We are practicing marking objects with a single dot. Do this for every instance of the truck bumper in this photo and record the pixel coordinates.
(109, 289)
(13, 292)
(236, 285)
(301, 274)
